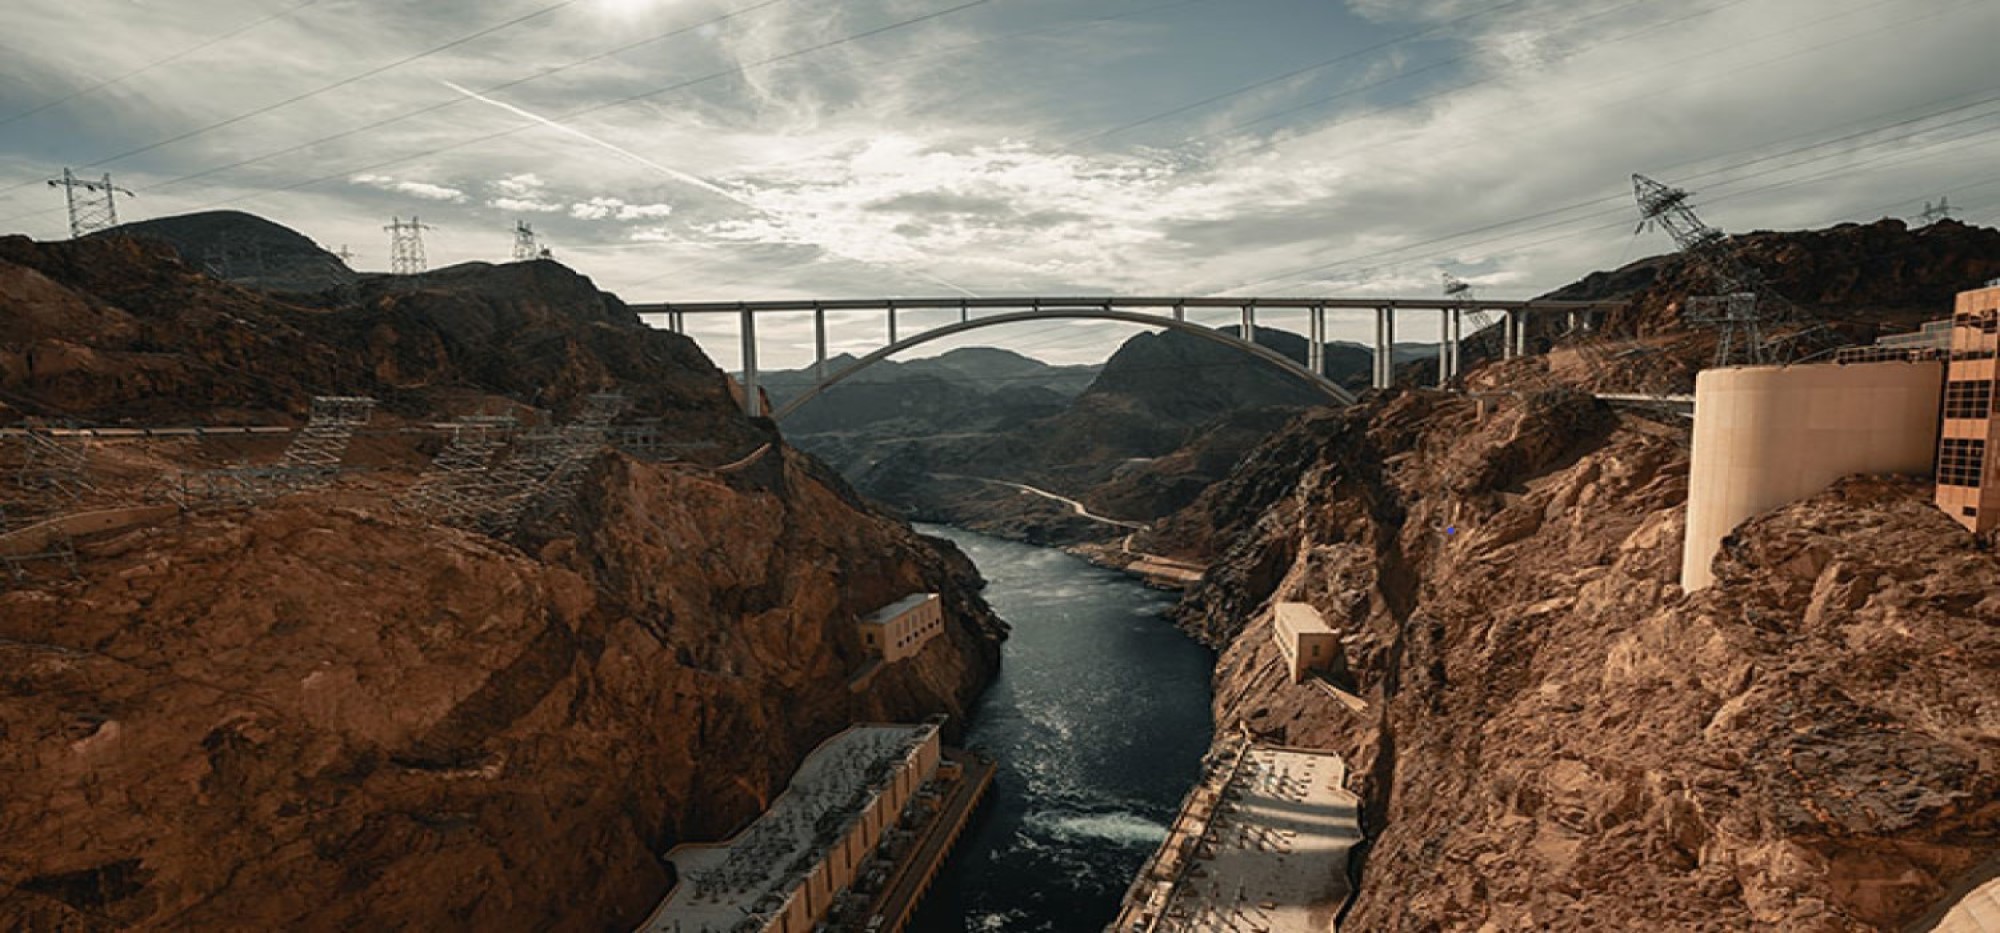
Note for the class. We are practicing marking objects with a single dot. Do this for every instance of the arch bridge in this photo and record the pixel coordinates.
(1169, 313)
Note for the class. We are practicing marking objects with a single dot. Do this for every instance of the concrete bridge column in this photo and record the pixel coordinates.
(1180, 312)
(1459, 341)
(1316, 350)
(1521, 335)
(1511, 322)
(1385, 348)
(1444, 347)
(1249, 331)
(819, 344)
(753, 402)
(892, 323)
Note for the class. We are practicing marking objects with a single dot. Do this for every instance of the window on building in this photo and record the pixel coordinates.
(1968, 398)
(1961, 461)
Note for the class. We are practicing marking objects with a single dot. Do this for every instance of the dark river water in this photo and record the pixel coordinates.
(1099, 720)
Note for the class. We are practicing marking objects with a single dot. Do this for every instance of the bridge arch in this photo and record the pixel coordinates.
(1326, 386)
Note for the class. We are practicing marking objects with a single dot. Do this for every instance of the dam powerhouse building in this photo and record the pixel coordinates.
(851, 844)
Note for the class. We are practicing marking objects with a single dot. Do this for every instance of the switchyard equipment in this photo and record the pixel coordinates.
(93, 205)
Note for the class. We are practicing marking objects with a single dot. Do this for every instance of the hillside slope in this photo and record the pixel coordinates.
(319, 711)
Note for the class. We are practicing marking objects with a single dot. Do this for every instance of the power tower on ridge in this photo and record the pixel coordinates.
(406, 246)
(1936, 212)
(526, 247)
(93, 205)
(1741, 305)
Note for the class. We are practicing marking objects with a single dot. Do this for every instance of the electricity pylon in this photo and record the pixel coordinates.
(1741, 304)
(406, 246)
(93, 205)
(525, 245)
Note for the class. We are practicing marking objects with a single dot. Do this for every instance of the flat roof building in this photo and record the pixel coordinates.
(783, 873)
(1304, 638)
(1968, 480)
(902, 628)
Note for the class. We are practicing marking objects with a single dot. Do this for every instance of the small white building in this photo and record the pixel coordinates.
(901, 629)
(1303, 636)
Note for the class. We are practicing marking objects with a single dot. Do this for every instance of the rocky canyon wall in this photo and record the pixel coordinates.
(1556, 737)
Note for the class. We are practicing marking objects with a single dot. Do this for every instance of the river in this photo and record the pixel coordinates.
(1099, 719)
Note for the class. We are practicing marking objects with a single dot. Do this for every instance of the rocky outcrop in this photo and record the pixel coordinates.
(1556, 737)
(322, 712)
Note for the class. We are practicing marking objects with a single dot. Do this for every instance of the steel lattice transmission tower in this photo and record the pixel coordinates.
(93, 205)
(406, 246)
(1936, 212)
(526, 247)
(1741, 305)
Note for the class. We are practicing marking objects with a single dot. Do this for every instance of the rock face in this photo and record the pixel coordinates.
(324, 713)
(1557, 738)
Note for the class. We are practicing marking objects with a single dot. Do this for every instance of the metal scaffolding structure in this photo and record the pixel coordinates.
(543, 466)
(452, 490)
(318, 448)
(54, 466)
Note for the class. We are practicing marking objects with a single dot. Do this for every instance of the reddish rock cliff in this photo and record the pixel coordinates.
(1557, 738)
(323, 713)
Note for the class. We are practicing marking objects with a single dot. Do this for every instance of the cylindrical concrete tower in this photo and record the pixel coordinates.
(1766, 435)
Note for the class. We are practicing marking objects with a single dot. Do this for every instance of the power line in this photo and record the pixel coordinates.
(190, 50)
(296, 98)
(1296, 72)
(1620, 196)
(457, 99)
(594, 108)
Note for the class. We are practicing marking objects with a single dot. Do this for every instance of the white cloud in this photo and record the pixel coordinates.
(602, 208)
(415, 189)
(525, 205)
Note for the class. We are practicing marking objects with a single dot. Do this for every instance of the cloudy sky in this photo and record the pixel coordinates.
(743, 149)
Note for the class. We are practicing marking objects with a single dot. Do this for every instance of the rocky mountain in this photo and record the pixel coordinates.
(1167, 414)
(969, 389)
(316, 710)
(245, 249)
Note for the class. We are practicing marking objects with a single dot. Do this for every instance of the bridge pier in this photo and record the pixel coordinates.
(1520, 342)
(1507, 336)
(1444, 347)
(892, 323)
(1459, 343)
(1385, 348)
(1316, 348)
(819, 344)
(753, 401)
(1249, 331)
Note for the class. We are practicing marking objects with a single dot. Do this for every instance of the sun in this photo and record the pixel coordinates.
(627, 8)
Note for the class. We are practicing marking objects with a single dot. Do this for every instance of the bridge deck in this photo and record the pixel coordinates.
(1107, 301)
